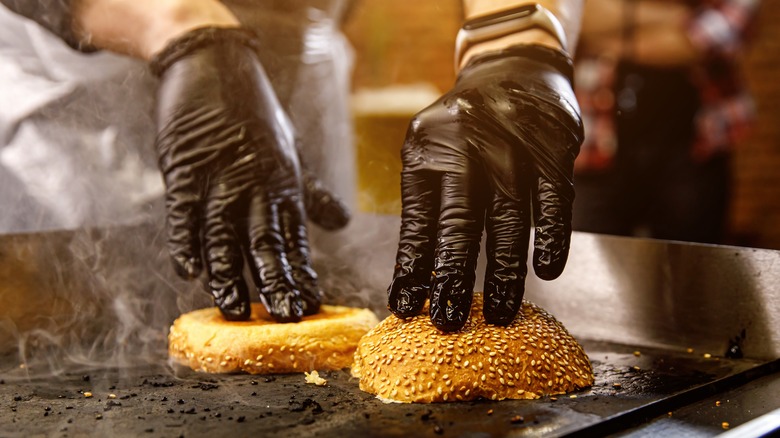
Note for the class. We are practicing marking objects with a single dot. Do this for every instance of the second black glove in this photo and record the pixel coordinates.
(492, 153)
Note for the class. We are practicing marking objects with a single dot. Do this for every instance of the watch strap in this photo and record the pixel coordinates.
(506, 22)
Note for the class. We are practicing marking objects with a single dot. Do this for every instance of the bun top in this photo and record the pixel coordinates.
(412, 361)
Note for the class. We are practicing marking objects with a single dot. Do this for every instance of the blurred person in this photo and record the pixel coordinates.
(495, 151)
(663, 104)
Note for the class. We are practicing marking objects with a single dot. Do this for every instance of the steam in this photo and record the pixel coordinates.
(89, 299)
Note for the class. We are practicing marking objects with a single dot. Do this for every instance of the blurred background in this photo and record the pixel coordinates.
(405, 49)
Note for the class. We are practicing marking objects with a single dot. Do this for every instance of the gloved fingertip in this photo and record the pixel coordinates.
(548, 266)
(311, 300)
(241, 313)
(444, 324)
(502, 301)
(406, 300)
(187, 268)
(333, 216)
(283, 307)
(450, 310)
(233, 301)
(284, 318)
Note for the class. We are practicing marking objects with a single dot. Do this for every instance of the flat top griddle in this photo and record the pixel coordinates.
(633, 386)
(623, 292)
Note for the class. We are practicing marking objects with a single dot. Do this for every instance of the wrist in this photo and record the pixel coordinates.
(527, 24)
(183, 16)
(198, 39)
(544, 59)
(528, 37)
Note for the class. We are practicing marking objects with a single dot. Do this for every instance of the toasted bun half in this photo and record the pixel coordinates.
(205, 341)
(411, 361)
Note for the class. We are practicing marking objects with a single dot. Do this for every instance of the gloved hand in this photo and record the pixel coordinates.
(233, 181)
(496, 150)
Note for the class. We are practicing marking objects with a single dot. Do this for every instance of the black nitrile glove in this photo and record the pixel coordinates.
(233, 181)
(497, 147)
(322, 206)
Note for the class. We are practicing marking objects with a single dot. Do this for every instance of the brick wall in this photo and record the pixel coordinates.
(399, 44)
(756, 202)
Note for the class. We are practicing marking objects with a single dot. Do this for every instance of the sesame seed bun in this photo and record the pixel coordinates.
(411, 361)
(205, 341)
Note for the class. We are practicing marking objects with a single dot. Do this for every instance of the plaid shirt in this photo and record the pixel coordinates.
(718, 29)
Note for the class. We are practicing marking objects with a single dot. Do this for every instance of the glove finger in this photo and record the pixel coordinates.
(460, 228)
(322, 206)
(269, 265)
(414, 260)
(225, 263)
(552, 217)
(183, 225)
(507, 226)
(184, 187)
(298, 255)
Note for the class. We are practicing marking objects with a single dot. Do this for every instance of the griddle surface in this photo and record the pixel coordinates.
(159, 401)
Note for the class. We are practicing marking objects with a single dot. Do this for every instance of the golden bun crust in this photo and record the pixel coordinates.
(411, 361)
(205, 341)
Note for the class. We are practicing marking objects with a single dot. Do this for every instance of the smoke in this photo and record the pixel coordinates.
(83, 299)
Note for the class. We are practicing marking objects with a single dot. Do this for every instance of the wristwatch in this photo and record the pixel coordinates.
(502, 23)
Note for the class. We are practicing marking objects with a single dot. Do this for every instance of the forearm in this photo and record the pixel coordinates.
(568, 12)
(141, 28)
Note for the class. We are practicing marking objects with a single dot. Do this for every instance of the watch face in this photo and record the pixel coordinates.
(500, 17)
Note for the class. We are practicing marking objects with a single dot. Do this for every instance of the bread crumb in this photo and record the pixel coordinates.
(315, 379)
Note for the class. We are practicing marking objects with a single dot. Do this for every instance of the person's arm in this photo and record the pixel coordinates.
(142, 28)
(136, 28)
(568, 12)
